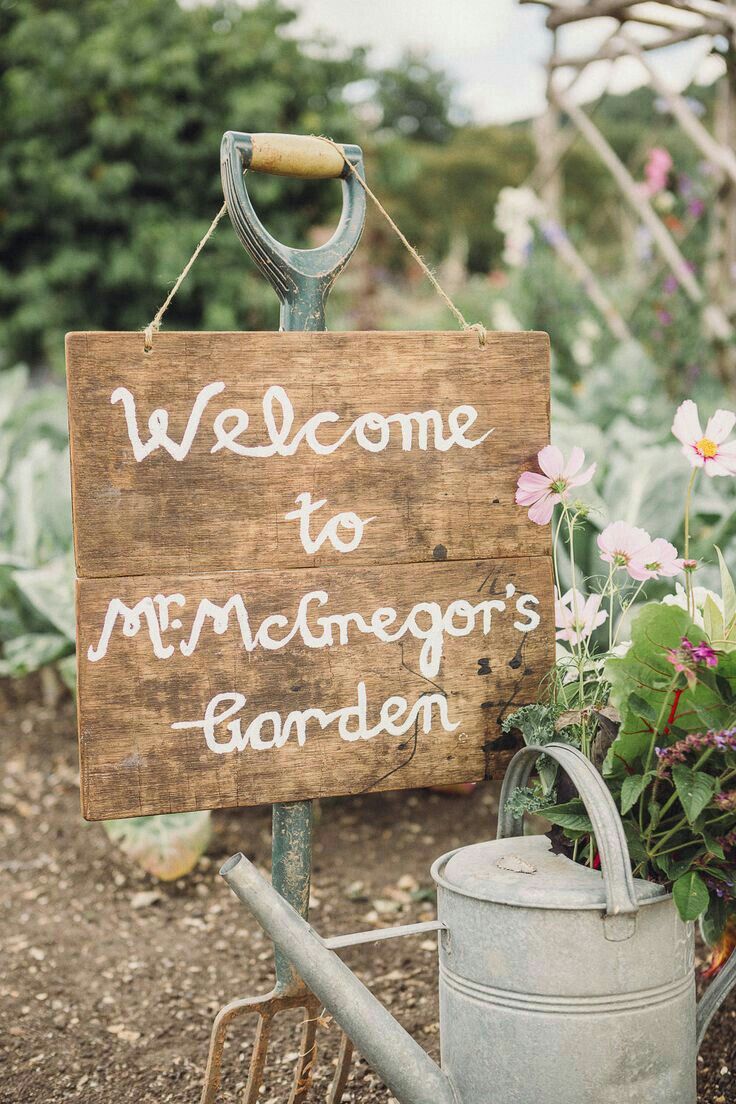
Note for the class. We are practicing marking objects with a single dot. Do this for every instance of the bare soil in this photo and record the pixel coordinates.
(110, 980)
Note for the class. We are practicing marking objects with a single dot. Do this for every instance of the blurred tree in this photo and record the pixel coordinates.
(111, 114)
(415, 100)
(444, 195)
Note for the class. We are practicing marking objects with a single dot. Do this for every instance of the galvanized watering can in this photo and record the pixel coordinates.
(558, 984)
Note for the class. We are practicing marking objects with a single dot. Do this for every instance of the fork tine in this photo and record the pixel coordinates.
(267, 1008)
(340, 1080)
(258, 1058)
(223, 1019)
(307, 1052)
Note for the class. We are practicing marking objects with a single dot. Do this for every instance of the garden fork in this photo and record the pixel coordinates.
(302, 279)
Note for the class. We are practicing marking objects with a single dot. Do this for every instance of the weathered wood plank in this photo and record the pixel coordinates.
(301, 569)
(134, 762)
(210, 512)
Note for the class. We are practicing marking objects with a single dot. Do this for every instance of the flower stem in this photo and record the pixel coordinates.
(688, 575)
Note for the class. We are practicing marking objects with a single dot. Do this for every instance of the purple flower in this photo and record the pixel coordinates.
(701, 653)
(695, 744)
(670, 284)
(696, 207)
(664, 317)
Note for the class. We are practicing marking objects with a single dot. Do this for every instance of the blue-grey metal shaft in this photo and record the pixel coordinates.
(409, 1073)
(302, 279)
(291, 870)
(291, 841)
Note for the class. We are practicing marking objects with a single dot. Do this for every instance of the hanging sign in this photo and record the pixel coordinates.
(300, 568)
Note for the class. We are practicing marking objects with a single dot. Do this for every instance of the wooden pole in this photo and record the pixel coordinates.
(719, 155)
(713, 315)
(556, 236)
(724, 259)
(610, 52)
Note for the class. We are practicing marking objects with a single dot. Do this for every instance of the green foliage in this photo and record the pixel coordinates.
(720, 621)
(572, 815)
(112, 114)
(536, 723)
(651, 696)
(37, 619)
(37, 624)
(691, 895)
(694, 790)
(674, 756)
(414, 100)
(528, 799)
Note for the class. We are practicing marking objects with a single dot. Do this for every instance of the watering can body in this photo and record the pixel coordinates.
(538, 1005)
(558, 984)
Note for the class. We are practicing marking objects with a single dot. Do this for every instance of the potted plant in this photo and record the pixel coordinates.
(646, 688)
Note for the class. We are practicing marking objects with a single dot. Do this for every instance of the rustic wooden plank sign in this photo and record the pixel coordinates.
(300, 568)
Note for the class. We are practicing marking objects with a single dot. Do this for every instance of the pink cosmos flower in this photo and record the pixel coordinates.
(577, 616)
(541, 493)
(658, 558)
(657, 169)
(621, 544)
(708, 450)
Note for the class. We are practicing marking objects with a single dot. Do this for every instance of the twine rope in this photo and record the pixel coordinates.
(155, 324)
(459, 317)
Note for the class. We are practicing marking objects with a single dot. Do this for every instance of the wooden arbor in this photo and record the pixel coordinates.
(638, 30)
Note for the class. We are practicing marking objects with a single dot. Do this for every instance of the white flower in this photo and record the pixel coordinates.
(710, 450)
(582, 352)
(516, 210)
(576, 616)
(700, 594)
(589, 328)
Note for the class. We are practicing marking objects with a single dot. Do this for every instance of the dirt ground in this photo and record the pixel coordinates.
(110, 981)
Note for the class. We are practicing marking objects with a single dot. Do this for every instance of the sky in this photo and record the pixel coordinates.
(494, 49)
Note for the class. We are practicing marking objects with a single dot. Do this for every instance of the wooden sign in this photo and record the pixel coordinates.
(301, 571)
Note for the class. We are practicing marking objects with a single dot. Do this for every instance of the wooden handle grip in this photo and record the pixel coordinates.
(299, 155)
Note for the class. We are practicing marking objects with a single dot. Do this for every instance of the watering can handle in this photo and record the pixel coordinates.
(301, 278)
(621, 902)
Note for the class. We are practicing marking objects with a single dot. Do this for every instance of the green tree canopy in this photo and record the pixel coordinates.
(111, 114)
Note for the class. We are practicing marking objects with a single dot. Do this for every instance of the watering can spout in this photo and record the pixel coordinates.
(408, 1072)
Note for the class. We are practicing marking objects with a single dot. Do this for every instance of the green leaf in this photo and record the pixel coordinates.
(713, 846)
(713, 923)
(644, 709)
(629, 749)
(167, 846)
(713, 620)
(50, 589)
(645, 673)
(30, 651)
(694, 789)
(637, 850)
(671, 867)
(570, 815)
(67, 668)
(691, 895)
(728, 593)
(632, 789)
